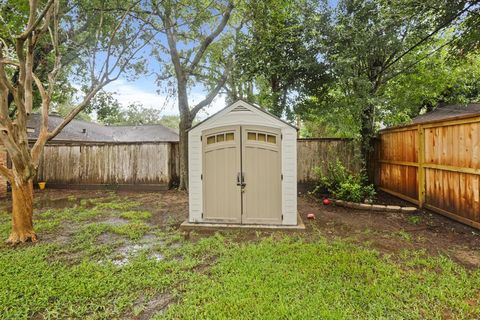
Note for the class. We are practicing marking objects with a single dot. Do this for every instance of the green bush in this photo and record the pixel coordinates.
(344, 184)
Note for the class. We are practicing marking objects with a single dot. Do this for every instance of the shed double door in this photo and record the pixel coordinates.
(242, 175)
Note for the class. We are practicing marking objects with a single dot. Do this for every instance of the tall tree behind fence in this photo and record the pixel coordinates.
(317, 152)
(434, 165)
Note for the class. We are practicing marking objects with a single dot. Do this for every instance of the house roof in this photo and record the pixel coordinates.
(250, 104)
(84, 131)
(445, 112)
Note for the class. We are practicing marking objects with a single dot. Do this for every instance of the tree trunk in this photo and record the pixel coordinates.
(22, 213)
(276, 96)
(366, 132)
(185, 124)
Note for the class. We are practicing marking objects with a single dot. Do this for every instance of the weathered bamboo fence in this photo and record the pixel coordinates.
(435, 165)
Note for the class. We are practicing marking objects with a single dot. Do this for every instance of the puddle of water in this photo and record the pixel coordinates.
(149, 238)
(124, 253)
(120, 262)
(127, 252)
(115, 221)
(157, 257)
(56, 203)
(175, 245)
(130, 250)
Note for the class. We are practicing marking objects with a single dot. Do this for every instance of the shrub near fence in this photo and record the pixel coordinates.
(316, 152)
(435, 165)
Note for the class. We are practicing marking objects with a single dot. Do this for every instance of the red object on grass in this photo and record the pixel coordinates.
(326, 201)
(311, 216)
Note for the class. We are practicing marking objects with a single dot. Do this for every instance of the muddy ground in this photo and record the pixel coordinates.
(390, 233)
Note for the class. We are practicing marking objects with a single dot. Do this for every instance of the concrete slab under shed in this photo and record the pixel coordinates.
(187, 226)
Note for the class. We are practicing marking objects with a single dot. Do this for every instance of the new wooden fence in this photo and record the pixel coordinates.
(434, 165)
(317, 152)
(145, 165)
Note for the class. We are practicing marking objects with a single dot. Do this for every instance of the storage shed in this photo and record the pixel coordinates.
(243, 168)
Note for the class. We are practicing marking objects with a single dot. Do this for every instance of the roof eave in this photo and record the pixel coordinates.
(250, 104)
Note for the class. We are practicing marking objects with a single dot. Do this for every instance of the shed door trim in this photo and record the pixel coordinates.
(242, 175)
(262, 165)
(221, 165)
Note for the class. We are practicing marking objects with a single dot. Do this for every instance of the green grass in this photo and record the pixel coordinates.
(78, 278)
(215, 277)
(30, 283)
(298, 280)
(136, 215)
(414, 219)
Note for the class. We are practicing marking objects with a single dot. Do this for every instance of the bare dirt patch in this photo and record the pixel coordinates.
(154, 306)
(392, 233)
(387, 232)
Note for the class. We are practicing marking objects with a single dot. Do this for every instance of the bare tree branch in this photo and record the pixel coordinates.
(211, 95)
(209, 39)
(430, 35)
(77, 109)
(32, 22)
(7, 173)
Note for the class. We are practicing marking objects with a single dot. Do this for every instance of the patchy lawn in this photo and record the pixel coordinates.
(105, 255)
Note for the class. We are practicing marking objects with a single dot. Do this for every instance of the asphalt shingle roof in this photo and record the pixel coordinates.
(447, 112)
(84, 131)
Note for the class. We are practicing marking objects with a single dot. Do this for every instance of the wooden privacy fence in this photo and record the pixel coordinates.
(435, 165)
(155, 165)
(316, 152)
(146, 165)
(89, 164)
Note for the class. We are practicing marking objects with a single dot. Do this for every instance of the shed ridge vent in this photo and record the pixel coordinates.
(241, 108)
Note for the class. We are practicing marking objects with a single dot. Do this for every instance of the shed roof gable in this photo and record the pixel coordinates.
(242, 106)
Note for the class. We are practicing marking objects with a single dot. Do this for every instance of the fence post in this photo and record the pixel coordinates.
(421, 169)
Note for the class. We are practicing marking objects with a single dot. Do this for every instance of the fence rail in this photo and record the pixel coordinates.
(435, 165)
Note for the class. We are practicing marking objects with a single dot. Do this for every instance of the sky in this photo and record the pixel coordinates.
(144, 90)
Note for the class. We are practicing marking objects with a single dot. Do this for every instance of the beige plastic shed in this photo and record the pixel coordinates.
(243, 169)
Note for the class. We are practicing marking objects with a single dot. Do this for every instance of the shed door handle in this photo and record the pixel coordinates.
(243, 179)
(239, 179)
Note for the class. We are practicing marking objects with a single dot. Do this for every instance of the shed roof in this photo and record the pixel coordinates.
(253, 105)
(84, 131)
(445, 112)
